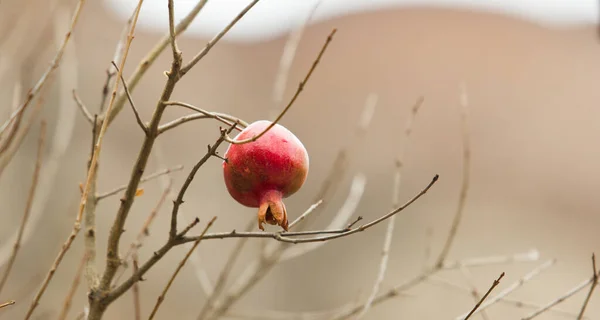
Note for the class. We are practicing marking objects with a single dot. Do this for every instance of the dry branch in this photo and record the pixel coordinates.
(128, 94)
(387, 243)
(151, 57)
(202, 114)
(466, 175)
(137, 308)
(179, 267)
(322, 235)
(144, 232)
(7, 303)
(514, 286)
(494, 285)
(592, 287)
(84, 110)
(294, 97)
(74, 285)
(28, 205)
(142, 180)
(562, 298)
(90, 177)
(185, 69)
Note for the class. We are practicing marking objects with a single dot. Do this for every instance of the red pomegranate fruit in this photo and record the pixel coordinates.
(259, 174)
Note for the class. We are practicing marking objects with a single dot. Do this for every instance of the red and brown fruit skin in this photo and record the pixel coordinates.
(261, 173)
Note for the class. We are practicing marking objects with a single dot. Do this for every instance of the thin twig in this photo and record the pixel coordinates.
(185, 69)
(90, 176)
(136, 291)
(142, 180)
(101, 302)
(505, 300)
(387, 243)
(29, 203)
(47, 74)
(529, 256)
(562, 298)
(74, 285)
(13, 127)
(287, 57)
(411, 283)
(135, 111)
(89, 219)
(7, 303)
(473, 289)
(339, 222)
(515, 285)
(172, 241)
(306, 213)
(105, 89)
(294, 97)
(466, 175)
(144, 231)
(592, 287)
(151, 57)
(224, 275)
(286, 237)
(172, 32)
(202, 114)
(179, 200)
(84, 110)
(494, 285)
(16, 98)
(179, 267)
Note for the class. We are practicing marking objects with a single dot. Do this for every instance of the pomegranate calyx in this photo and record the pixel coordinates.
(272, 210)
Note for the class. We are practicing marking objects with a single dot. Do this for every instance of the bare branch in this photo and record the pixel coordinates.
(562, 298)
(135, 111)
(179, 267)
(177, 203)
(172, 33)
(306, 213)
(172, 240)
(466, 175)
(494, 285)
(105, 89)
(510, 289)
(13, 126)
(7, 303)
(505, 300)
(294, 97)
(387, 243)
(48, 73)
(149, 59)
(145, 230)
(90, 177)
(69, 297)
(28, 205)
(287, 236)
(348, 208)
(224, 275)
(142, 180)
(529, 256)
(84, 110)
(185, 69)
(473, 289)
(136, 291)
(592, 287)
(202, 114)
(287, 57)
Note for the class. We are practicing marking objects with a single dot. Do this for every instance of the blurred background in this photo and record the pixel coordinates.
(533, 122)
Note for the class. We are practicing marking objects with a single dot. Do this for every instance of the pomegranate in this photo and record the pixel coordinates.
(259, 174)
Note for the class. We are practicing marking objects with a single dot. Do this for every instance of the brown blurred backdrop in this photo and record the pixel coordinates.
(535, 160)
